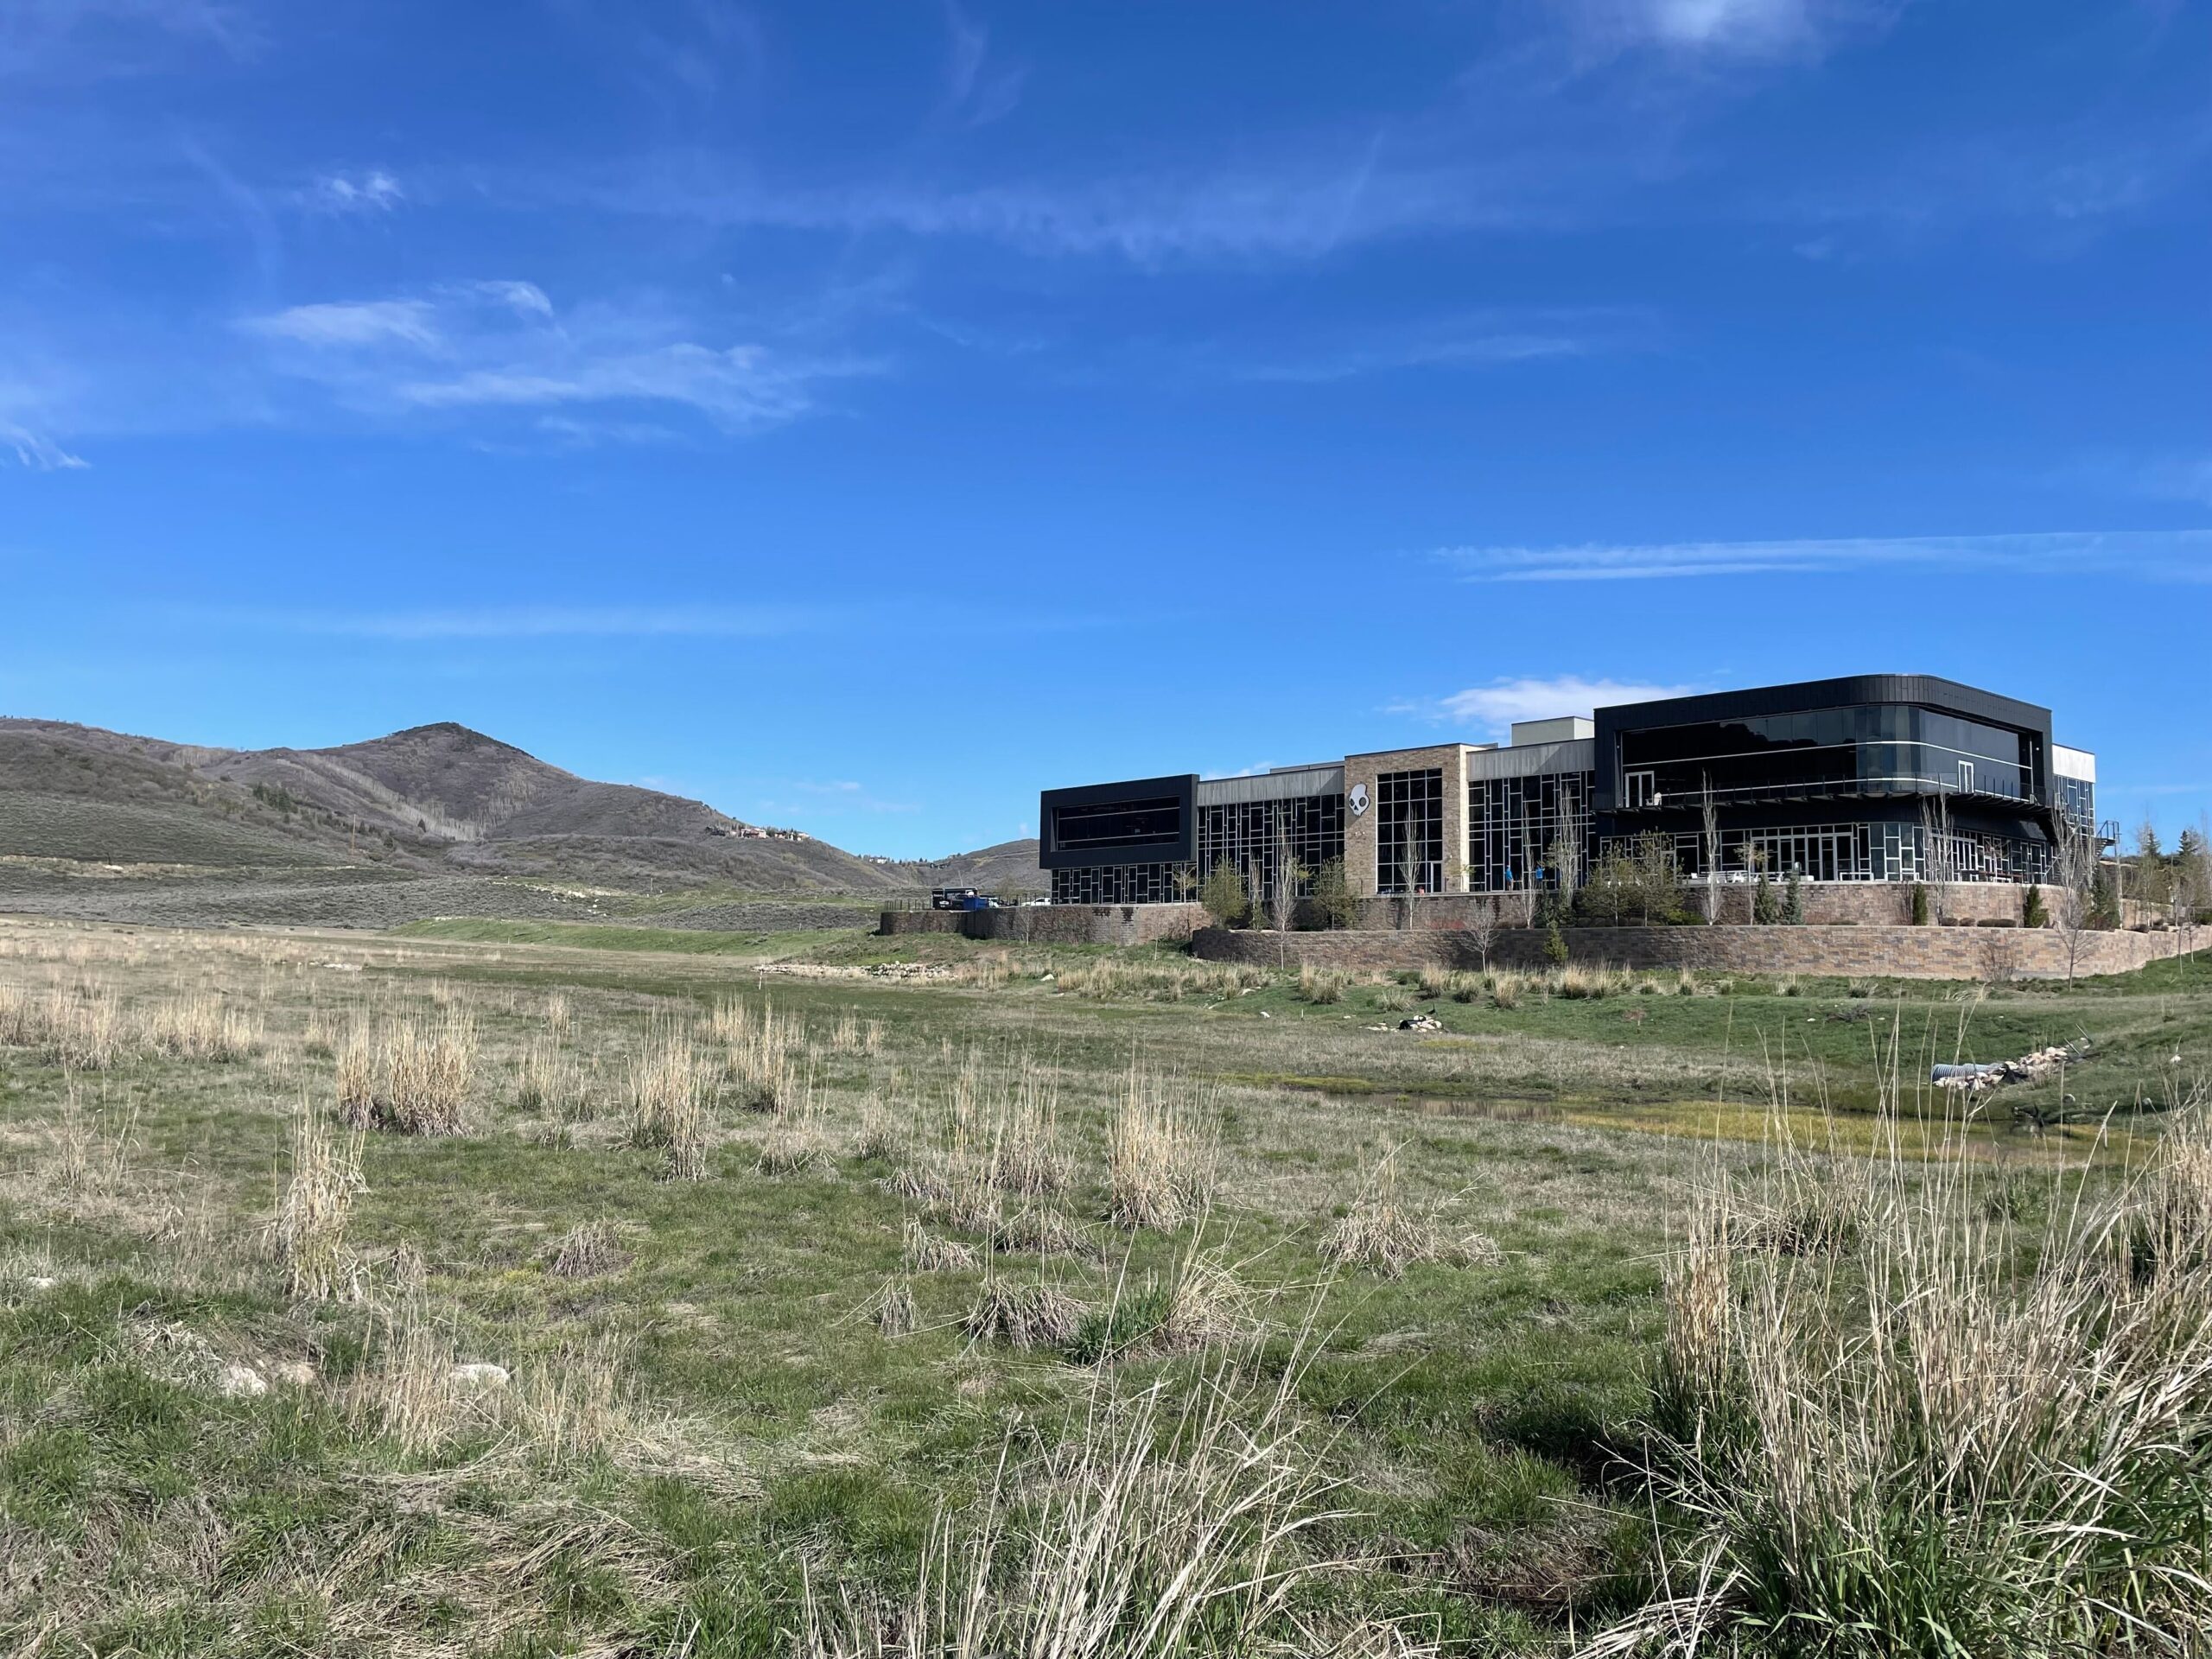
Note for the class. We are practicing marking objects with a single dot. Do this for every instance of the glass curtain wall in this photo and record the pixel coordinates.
(1854, 852)
(1409, 831)
(1873, 749)
(1244, 836)
(1513, 822)
(1120, 884)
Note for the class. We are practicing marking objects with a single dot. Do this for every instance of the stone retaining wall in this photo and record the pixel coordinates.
(1865, 903)
(1899, 952)
(1054, 924)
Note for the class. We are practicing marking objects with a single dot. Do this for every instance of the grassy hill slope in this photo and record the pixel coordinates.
(438, 799)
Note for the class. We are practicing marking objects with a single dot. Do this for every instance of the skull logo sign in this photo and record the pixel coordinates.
(1357, 800)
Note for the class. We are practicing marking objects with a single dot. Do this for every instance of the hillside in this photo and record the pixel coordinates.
(1009, 867)
(308, 830)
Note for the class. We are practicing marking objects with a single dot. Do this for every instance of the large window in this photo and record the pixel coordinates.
(1121, 884)
(2077, 799)
(1854, 852)
(1095, 826)
(1246, 836)
(1880, 748)
(1514, 824)
(1409, 831)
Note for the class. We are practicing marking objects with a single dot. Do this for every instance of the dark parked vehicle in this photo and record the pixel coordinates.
(952, 897)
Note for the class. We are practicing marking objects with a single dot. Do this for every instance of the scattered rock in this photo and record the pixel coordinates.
(478, 1374)
(294, 1374)
(40, 1281)
(240, 1382)
(1976, 1076)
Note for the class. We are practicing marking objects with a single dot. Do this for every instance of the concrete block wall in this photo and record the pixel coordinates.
(1968, 953)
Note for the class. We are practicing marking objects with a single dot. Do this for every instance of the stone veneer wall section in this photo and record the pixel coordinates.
(1895, 952)
(1451, 759)
(1833, 903)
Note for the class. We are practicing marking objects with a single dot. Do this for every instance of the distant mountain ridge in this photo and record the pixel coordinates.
(437, 798)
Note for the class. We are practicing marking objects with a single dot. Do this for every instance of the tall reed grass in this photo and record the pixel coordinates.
(1941, 1432)
(667, 1100)
(1160, 1150)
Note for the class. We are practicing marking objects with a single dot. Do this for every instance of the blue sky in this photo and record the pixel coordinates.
(860, 416)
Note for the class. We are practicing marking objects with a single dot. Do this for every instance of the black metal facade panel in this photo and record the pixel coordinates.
(1803, 696)
(1180, 849)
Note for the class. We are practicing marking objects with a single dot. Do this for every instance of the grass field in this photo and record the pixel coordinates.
(861, 1296)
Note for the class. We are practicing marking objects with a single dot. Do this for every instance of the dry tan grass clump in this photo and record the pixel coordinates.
(667, 1100)
(588, 1249)
(882, 1135)
(1384, 1235)
(408, 1391)
(1320, 985)
(1160, 1152)
(202, 1028)
(893, 1309)
(954, 1189)
(1026, 1155)
(1024, 1316)
(759, 1065)
(929, 1252)
(412, 1077)
(550, 1083)
(1207, 1306)
(1580, 981)
(1037, 1231)
(18, 1018)
(576, 1406)
(1159, 981)
(1980, 1439)
(79, 1029)
(795, 1149)
(1382, 1238)
(1171, 1525)
(309, 1232)
(426, 1071)
(556, 1017)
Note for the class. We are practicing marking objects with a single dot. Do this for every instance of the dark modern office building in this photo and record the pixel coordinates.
(1877, 777)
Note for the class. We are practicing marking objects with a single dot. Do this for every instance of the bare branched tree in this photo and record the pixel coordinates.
(1711, 837)
(1523, 896)
(1939, 857)
(2074, 877)
(1564, 858)
(1482, 928)
(1282, 892)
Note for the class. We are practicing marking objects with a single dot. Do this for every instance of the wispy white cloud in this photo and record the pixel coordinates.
(1476, 342)
(2160, 555)
(73, 38)
(36, 451)
(977, 90)
(1322, 193)
(372, 192)
(1494, 708)
(1755, 28)
(351, 322)
(500, 345)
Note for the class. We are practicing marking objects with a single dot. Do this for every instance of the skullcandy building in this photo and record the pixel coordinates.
(1879, 778)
